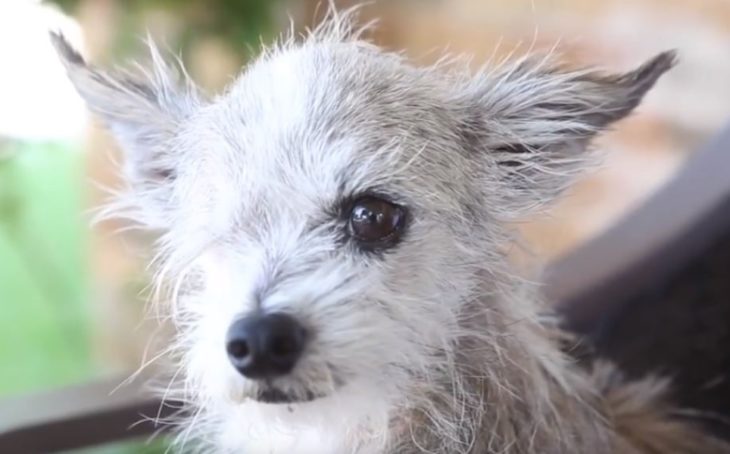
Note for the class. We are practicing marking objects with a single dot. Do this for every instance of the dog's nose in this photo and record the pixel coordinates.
(265, 345)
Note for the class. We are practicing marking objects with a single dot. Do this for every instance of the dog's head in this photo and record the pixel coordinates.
(331, 214)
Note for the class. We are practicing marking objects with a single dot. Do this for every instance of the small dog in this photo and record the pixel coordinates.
(333, 228)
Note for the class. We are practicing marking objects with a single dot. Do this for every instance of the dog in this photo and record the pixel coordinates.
(333, 230)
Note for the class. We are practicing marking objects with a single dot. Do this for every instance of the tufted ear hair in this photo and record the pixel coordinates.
(534, 122)
(144, 113)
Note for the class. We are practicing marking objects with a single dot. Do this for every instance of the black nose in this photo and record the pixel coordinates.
(265, 345)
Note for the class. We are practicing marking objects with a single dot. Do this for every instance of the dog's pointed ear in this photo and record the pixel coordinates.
(534, 123)
(144, 114)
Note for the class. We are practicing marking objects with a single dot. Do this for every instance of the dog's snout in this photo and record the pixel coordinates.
(265, 345)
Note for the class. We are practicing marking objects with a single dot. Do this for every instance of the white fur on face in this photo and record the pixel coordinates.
(276, 157)
(249, 193)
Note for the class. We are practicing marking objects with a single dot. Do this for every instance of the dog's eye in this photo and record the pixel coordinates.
(376, 222)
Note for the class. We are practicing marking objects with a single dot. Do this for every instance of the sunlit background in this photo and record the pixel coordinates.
(72, 298)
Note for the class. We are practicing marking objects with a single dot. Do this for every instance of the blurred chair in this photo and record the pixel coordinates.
(653, 292)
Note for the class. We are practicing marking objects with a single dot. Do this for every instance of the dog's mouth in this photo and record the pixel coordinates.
(277, 396)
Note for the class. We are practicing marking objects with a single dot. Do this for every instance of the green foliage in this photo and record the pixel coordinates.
(44, 324)
(45, 319)
(157, 446)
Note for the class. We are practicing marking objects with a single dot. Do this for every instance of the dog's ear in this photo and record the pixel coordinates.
(534, 122)
(144, 114)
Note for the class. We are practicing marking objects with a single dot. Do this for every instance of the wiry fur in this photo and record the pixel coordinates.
(433, 346)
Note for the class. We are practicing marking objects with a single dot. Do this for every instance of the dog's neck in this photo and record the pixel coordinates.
(511, 390)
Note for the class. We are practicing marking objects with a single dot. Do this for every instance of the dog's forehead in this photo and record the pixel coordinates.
(314, 121)
(318, 93)
(320, 83)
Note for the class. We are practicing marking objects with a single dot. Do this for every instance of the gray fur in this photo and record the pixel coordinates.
(433, 346)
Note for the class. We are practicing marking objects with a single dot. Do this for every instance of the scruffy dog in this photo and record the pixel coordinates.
(334, 230)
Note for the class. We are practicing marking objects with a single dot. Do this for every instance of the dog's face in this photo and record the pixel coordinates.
(331, 214)
(351, 222)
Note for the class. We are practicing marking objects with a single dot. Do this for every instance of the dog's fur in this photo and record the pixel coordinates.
(433, 346)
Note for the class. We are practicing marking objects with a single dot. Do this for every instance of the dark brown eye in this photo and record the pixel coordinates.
(376, 222)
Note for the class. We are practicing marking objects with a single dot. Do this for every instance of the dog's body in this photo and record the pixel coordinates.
(418, 339)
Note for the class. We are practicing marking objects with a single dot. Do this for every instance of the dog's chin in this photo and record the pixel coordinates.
(276, 396)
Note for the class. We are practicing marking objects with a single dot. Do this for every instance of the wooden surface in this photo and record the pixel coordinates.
(77, 417)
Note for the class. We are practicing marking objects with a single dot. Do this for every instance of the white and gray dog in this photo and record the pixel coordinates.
(334, 230)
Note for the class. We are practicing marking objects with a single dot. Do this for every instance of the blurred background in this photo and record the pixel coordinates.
(72, 298)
